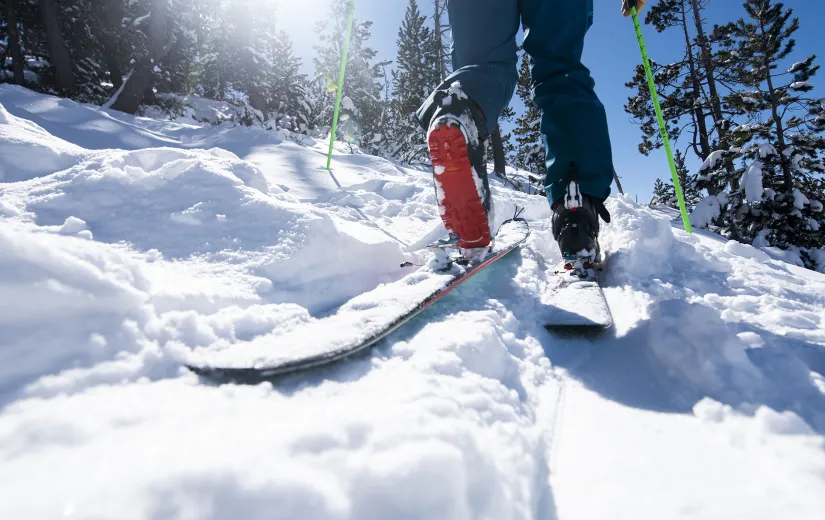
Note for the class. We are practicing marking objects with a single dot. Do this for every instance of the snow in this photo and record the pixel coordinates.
(766, 149)
(140, 242)
(801, 85)
(347, 104)
(745, 251)
(752, 183)
(706, 212)
(799, 199)
(30, 151)
(715, 158)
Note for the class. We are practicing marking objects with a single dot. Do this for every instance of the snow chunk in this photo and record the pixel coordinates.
(801, 85)
(708, 210)
(347, 104)
(761, 239)
(799, 199)
(713, 159)
(766, 149)
(456, 90)
(752, 183)
(77, 227)
(752, 339)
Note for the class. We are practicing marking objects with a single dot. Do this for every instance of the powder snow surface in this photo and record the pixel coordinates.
(126, 244)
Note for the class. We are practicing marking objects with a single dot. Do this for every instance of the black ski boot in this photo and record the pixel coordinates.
(576, 228)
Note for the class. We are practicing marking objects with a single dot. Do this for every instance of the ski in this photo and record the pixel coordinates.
(578, 306)
(357, 325)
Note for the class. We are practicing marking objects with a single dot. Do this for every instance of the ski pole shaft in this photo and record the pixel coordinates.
(661, 118)
(341, 75)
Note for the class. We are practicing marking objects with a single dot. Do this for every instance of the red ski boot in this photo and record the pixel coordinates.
(456, 142)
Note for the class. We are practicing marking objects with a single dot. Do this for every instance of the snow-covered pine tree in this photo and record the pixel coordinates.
(664, 193)
(149, 26)
(416, 74)
(365, 114)
(781, 145)
(252, 38)
(688, 88)
(214, 66)
(529, 148)
(288, 95)
(13, 50)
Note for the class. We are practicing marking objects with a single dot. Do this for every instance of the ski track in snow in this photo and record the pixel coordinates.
(127, 243)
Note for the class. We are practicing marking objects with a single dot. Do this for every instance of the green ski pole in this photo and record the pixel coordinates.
(662, 128)
(341, 82)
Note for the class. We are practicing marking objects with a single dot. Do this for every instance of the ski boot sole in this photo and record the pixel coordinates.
(461, 208)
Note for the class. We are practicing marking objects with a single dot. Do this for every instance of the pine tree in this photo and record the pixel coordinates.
(415, 76)
(688, 88)
(529, 152)
(10, 33)
(664, 193)
(780, 147)
(500, 147)
(288, 96)
(440, 29)
(365, 114)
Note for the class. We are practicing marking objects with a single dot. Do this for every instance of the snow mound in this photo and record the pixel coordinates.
(185, 204)
(28, 151)
(93, 299)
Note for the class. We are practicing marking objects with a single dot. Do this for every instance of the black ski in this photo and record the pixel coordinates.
(578, 306)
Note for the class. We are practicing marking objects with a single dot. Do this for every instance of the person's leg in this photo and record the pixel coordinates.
(483, 55)
(573, 124)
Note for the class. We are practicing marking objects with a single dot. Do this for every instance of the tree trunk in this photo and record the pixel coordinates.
(777, 119)
(131, 95)
(439, 43)
(499, 159)
(257, 100)
(58, 51)
(114, 70)
(715, 101)
(14, 42)
(704, 139)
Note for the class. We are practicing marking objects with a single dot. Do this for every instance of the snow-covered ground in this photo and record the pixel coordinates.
(126, 243)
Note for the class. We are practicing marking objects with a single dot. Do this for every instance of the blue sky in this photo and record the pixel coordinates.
(611, 53)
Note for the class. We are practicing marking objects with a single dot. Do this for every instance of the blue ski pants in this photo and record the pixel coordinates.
(573, 121)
